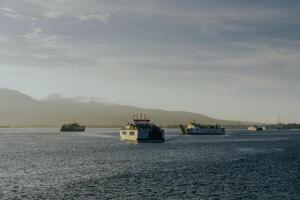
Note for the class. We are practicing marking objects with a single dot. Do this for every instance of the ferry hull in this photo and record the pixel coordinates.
(73, 130)
(141, 136)
(205, 133)
(77, 130)
(143, 140)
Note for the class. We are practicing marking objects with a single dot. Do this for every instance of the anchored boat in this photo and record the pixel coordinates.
(198, 129)
(72, 127)
(142, 130)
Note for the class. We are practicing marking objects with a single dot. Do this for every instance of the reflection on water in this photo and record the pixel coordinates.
(43, 163)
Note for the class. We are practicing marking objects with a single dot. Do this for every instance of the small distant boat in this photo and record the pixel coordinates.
(198, 129)
(142, 130)
(254, 128)
(72, 127)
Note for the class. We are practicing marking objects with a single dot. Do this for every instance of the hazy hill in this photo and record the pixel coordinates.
(17, 109)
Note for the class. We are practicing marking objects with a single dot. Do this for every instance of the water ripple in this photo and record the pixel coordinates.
(46, 164)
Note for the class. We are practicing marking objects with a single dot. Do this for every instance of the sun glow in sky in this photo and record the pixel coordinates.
(232, 59)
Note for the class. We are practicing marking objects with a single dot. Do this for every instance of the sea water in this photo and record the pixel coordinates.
(46, 164)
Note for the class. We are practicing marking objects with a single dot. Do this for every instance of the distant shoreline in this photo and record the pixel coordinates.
(57, 126)
(232, 126)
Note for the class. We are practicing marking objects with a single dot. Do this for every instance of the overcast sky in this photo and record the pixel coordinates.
(230, 59)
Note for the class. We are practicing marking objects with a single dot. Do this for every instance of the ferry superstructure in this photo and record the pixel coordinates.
(198, 129)
(142, 130)
(72, 127)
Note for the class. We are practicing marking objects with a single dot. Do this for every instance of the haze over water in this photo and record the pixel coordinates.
(46, 164)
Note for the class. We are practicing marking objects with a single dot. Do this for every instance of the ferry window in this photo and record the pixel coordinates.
(131, 133)
(124, 132)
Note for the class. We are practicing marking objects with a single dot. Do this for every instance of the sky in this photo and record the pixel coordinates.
(230, 59)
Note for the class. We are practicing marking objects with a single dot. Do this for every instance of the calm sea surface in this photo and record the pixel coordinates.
(46, 164)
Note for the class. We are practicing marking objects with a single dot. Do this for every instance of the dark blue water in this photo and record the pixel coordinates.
(46, 164)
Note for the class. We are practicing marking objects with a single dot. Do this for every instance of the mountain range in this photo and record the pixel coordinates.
(18, 109)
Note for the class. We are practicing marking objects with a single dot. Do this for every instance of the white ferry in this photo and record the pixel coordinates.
(142, 130)
(198, 129)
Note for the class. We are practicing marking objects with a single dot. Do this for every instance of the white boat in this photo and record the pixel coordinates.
(254, 128)
(142, 130)
(198, 129)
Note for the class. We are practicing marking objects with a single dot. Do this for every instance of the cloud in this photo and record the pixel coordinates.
(43, 49)
(8, 12)
(38, 38)
(82, 17)
(96, 17)
(53, 15)
(173, 37)
(209, 18)
(58, 9)
(3, 39)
